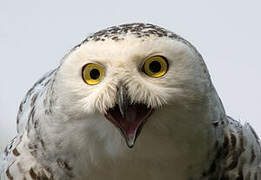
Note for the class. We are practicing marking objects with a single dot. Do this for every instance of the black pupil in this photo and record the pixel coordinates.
(155, 66)
(95, 73)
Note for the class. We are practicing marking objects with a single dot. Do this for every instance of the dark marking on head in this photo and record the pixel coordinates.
(21, 107)
(17, 119)
(234, 161)
(234, 147)
(44, 177)
(15, 152)
(32, 174)
(30, 121)
(33, 99)
(215, 124)
(139, 30)
(32, 146)
(8, 174)
(48, 112)
(51, 102)
(36, 123)
(20, 111)
(29, 93)
(6, 151)
(42, 143)
(235, 123)
(32, 113)
(48, 105)
(9, 147)
(48, 169)
(47, 82)
(39, 176)
(63, 164)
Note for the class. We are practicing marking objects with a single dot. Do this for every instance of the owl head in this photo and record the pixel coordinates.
(129, 72)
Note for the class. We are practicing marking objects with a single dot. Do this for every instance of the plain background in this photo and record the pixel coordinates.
(34, 36)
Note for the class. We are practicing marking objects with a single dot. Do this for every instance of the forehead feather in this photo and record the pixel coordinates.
(139, 30)
(130, 48)
(121, 40)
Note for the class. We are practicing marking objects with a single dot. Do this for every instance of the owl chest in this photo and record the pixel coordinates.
(162, 151)
(146, 161)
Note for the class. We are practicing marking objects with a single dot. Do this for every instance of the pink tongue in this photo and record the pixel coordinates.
(136, 114)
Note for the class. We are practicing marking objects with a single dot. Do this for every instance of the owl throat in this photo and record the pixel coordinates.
(128, 117)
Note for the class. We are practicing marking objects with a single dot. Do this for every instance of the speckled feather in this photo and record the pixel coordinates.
(62, 133)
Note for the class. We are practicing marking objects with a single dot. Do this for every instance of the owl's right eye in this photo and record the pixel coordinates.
(92, 73)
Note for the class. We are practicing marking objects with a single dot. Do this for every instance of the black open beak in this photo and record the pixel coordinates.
(129, 118)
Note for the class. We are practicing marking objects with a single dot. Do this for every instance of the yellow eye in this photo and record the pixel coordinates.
(155, 66)
(92, 73)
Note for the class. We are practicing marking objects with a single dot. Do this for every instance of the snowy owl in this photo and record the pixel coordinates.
(133, 101)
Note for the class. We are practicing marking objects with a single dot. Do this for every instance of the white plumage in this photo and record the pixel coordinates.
(130, 84)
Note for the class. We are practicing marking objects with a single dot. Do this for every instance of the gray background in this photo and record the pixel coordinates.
(34, 36)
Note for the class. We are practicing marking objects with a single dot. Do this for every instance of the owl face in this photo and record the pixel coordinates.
(129, 77)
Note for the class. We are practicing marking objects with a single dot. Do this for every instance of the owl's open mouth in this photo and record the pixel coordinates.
(129, 118)
(130, 125)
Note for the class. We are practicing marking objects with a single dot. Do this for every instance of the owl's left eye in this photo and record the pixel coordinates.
(155, 66)
(92, 73)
